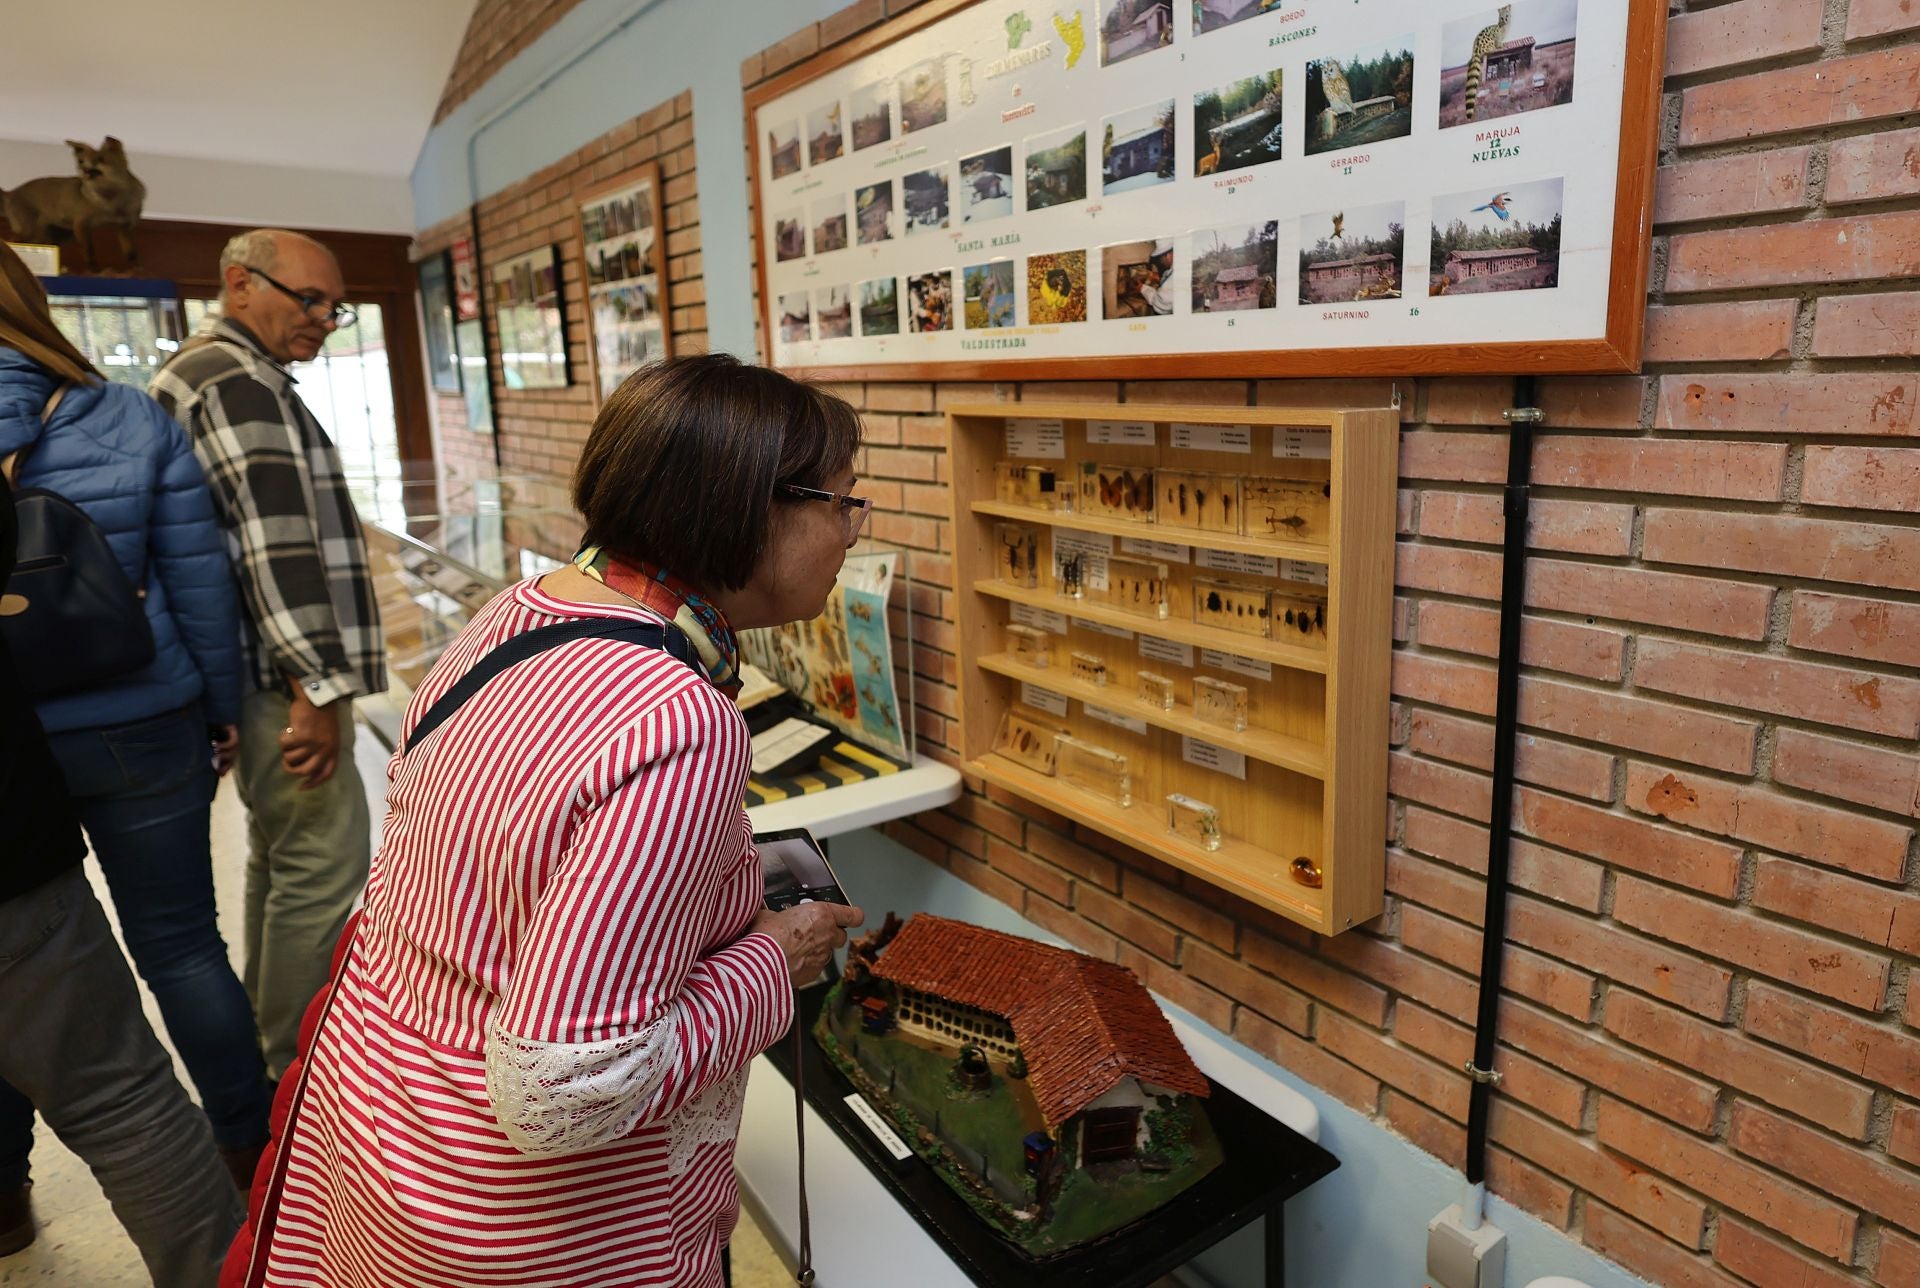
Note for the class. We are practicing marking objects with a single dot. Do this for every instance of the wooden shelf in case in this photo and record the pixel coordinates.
(1317, 789)
(1247, 870)
(1297, 754)
(1257, 647)
(1269, 547)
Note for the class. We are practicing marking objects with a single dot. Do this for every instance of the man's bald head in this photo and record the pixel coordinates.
(261, 273)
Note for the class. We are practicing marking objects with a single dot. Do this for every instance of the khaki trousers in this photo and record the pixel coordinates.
(308, 853)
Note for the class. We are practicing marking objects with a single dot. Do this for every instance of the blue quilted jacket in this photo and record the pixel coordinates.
(111, 451)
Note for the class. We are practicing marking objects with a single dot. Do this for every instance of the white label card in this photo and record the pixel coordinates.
(870, 1119)
(1124, 722)
(1207, 756)
(1101, 628)
(1041, 439)
(1215, 438)
(1094, 549)
(1234, 561)
(1054, 704)
(1044, 619)
(1162, 550)
(1130, 433)
(1235, 664)
(1303, 444)
(783, 742)
(1166, 650)
(1314, 574)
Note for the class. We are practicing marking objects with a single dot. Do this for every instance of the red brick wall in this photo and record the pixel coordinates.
(1711, 1040)
(541, 430)
(498, 30)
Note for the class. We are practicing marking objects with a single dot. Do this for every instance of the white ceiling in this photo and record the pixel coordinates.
(344, 85)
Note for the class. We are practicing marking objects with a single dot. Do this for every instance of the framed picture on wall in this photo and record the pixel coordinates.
(623, 239)
(470, 342)
(527, 305)
(1214, 188)
(436, 313)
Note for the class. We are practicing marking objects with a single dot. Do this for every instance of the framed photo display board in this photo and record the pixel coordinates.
(436, 311)
(533, 334)
(622, 235)
(987, 188)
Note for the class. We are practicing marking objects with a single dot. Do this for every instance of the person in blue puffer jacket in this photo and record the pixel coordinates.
(135, 751)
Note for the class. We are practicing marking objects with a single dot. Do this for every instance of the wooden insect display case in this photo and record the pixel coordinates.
(1176, 629)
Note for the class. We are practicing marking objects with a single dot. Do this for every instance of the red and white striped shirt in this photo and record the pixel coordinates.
(533, 1068)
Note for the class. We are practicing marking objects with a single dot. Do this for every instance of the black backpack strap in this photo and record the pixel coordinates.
(521, 647)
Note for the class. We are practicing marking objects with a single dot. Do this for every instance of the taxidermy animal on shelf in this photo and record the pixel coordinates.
(104, 194)
(1498, 205)
(1489, 39)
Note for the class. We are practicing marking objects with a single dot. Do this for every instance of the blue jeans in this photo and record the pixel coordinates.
(145, 795)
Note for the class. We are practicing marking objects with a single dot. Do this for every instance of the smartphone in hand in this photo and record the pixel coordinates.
(795, 870)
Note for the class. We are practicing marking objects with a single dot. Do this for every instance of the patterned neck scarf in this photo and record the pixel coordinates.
(699, 619)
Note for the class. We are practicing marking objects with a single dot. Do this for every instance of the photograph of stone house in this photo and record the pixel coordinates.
(1136, 149)
(1211, 15)
(1129, 28)
(1353, 254)
(1056, 169)
(1233, 267)
(1496, 241)
(872, 113)
(783, 149)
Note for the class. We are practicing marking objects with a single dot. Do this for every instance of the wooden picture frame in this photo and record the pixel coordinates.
(1611, 302)
(436, 314)
(624, 274)
(530, 313)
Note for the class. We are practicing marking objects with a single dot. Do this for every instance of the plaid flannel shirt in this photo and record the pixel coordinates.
(291, 527)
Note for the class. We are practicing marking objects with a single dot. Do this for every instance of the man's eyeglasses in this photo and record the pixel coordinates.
(313, 304)
(853, 509)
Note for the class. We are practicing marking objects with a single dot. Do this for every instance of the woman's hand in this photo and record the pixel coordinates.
(807, 933)
(226, 746)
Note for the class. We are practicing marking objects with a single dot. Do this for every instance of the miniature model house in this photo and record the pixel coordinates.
(1097, 1049)
(1044, 1084)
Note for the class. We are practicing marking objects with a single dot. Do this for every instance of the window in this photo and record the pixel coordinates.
(349, 389)
(127, 336)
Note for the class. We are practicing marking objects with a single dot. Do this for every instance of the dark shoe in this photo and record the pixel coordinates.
(16, 1219)
(242, 1164)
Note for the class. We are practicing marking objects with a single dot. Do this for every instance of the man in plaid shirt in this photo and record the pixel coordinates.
(313, 632)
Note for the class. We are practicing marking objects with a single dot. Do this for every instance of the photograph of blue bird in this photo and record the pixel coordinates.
(1498, 205)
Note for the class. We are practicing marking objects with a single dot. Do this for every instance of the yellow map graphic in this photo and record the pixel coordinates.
(1074, 33)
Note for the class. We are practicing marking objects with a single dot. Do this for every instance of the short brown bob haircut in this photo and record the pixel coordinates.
(680, 468)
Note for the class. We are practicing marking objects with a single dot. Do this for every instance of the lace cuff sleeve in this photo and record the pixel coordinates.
(565, 1097)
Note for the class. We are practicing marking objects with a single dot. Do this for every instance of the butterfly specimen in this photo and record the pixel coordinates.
(1118, 491)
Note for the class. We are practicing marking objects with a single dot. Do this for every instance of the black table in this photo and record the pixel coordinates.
(1266, 1163)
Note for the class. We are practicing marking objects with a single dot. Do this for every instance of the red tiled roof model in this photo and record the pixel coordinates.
(1083, 1024)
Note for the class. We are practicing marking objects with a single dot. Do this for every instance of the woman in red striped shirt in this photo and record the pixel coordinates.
(532, 1068)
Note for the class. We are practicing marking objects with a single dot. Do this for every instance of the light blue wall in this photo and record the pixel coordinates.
(606, 62)
(1365, 1226)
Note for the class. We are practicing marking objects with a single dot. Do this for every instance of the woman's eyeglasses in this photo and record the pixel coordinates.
(341, 315)
(853, 509)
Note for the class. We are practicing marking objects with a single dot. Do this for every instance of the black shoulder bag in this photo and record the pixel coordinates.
(71, 616)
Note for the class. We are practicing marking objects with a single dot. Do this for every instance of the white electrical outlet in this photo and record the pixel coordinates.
(1461, 1258)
